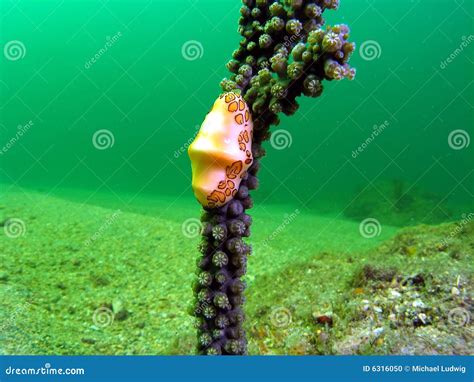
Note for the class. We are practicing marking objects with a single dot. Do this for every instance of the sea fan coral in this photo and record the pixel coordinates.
(285, 52)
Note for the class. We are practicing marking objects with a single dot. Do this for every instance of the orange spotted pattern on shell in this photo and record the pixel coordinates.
(227, 187)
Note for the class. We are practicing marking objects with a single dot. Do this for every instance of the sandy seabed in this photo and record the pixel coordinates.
(81, 275)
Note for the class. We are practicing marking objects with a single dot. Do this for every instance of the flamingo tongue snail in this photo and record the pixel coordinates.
(221, 153)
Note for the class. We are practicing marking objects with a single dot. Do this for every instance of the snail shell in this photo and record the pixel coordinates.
(221, 152)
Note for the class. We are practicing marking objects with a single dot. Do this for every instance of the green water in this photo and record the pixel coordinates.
(151, 99)
(75, 68)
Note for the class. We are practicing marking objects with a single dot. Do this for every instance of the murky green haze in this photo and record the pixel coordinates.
(151, 99)
(98, 103)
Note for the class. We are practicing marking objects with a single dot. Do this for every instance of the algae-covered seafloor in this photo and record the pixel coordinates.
(93, 278)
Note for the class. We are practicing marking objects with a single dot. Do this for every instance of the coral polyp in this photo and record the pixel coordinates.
(285, 52)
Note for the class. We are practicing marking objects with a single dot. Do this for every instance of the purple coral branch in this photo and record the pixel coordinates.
(284, 53)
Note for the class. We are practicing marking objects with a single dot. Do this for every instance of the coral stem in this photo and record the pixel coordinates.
(284, 53)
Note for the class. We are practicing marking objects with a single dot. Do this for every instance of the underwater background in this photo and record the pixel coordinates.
(363, 235)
